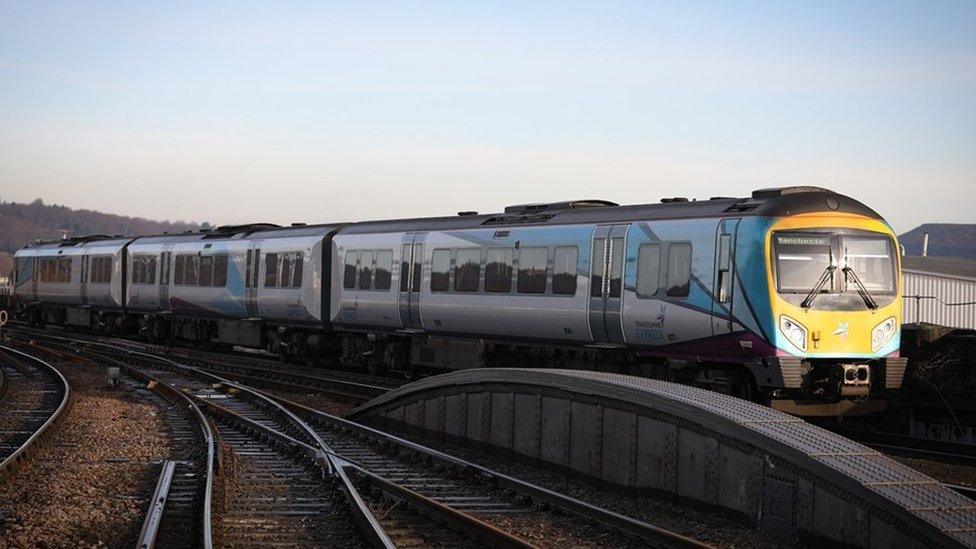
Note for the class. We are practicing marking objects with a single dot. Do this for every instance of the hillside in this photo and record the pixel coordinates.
(945, 240)
(21, 224)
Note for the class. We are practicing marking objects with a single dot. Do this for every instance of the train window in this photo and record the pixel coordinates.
(648, 270)
(284, 277)
(679, 269)
(192, 276)
(25, 269)
(467, 272)
(564, 260)
(151, 270)
(440, 271)
(180, 266)
(616, 266)
(297, 266)
(532, 270)
(366, 271)
(596, 267)
(498, 270)
(405, 268)
(206, 271)
(384, 268)
(64, 269)
(271, 270)
(219, 271)
(418, 254)
(349, 276)
(100, 270)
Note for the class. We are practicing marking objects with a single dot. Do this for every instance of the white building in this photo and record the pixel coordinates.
(939, 290)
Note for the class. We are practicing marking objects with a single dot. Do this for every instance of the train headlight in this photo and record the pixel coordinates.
(794, 332)
(882, 333)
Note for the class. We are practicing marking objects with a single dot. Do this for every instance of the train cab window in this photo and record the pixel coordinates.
(440, 271)
(206, 271)
(192, 276)
(219, 271)
(366, 271)
(271, 271)
(564, 260)
(467, 273)
(25, 269)
(384, 269)
(349, 275)
(498, 270)
(648, 270)
(532, 270)
(679, 269)
(180, 267)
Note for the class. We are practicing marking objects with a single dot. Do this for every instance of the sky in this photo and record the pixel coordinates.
(233, 112)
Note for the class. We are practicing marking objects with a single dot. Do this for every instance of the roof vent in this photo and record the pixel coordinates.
(566, 205)
(467, 212)
(299, 224)
(675, 199)
(776, 192)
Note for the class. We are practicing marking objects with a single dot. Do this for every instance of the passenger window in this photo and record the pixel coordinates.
(532, 270)
(405, 269)
(192, 270)
(349, 276)
(297, 268)
(564, 261)
(648, 269)
(270, 270)
(150, 270)
(616, 266)
(418, 255)
(384, 268)
(366, 271)
(440, 271)
(498, 270)
(679, 269)
(596, 267)
(284, 279)
(467, 272)
(180, 267)
(206, 271)
(219, 273)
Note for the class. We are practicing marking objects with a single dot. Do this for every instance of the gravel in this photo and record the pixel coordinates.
(90, 485)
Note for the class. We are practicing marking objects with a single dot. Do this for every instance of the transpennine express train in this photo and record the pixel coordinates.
(790, 296)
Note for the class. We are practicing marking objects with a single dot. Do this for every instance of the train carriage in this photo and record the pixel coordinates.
(75, 282)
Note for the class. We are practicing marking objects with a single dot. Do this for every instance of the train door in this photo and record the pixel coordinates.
(411, 271)
(723, 280)
(165, 267)
(83, 281)
(606, 283)
(252, 267)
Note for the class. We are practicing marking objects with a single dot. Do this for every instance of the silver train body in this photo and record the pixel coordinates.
(679, 287)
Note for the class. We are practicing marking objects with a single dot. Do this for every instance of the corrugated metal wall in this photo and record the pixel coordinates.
(935, 311)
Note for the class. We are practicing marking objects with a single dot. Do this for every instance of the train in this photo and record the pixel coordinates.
(790, 296)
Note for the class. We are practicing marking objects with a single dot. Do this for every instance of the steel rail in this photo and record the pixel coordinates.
(177, 398)
(22, 453)
(636, 528)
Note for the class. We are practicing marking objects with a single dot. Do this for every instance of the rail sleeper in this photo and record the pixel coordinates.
(779, 472)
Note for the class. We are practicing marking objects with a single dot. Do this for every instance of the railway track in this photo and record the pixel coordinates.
(399, 492)
(35, 396)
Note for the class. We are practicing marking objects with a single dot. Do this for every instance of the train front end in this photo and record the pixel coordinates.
(835, 296)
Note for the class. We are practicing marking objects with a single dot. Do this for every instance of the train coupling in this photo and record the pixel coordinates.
(856, 380)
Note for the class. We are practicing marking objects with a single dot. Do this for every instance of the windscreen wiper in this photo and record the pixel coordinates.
(824, 278)
(861, 288)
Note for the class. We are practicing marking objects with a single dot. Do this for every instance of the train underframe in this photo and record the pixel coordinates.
(791, 384)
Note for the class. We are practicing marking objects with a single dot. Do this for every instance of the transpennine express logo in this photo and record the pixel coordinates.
(841, 330)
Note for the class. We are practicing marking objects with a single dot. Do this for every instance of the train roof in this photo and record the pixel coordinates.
(237, 232)
(77, 242)
(772, 202)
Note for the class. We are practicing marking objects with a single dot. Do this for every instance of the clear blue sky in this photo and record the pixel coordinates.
(312, 111)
